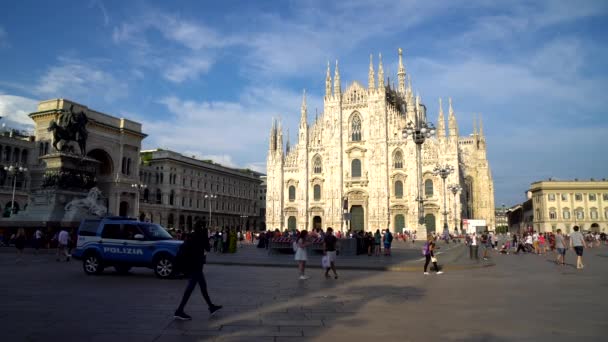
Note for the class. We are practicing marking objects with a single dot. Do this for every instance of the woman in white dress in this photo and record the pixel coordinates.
(301, 254)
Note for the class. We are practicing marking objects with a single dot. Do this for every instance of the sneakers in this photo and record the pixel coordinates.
(426, 273)
(181, 316)
(304, 277)
(213, 309)
(440, 272)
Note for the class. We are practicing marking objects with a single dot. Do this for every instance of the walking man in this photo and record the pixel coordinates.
(473, 248)
(37, 240)
(62, 247)
(577, 242)
(192, 255)
(329, 249)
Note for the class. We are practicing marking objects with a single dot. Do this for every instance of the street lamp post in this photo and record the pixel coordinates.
(455, 189)
(504, 219)
(14, 171)
(138, 187)
(210, 197)
(443, 172)
(419, 130)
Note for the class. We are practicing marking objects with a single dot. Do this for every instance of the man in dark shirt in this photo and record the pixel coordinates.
(329, 250)
(192, 256)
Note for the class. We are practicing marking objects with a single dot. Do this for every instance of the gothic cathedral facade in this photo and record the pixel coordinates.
(353, 159)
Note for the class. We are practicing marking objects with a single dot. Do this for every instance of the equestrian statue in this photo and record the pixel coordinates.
(70, 126)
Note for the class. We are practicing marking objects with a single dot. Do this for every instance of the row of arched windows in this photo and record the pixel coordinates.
(316, 193)
(428, 188)
(13, 155)
(43, 148)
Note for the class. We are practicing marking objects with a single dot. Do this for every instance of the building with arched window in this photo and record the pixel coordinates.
(353, 159)
(562, 204)
(181, 183)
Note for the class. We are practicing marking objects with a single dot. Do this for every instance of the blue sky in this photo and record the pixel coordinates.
(206, 78)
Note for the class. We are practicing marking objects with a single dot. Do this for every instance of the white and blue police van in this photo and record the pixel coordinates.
(123, 243)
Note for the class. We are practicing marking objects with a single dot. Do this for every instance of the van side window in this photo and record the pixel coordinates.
(111, 231)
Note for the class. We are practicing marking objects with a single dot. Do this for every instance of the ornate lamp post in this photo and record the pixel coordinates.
(138, 187)
(419, 130)
(443, 172)
(455, 189)
(15, 171)
(210, 197)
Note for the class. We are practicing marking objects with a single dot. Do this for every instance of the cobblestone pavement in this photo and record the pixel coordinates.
(521, 298)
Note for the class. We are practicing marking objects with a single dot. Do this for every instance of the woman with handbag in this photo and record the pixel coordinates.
(429, 254)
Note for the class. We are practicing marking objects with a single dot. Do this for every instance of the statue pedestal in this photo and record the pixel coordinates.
(65, 177)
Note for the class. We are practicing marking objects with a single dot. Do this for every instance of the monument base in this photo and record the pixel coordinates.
(67, 178)
(46, 208)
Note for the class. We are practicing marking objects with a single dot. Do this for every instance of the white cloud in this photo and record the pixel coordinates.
(190, 68)
(226, 132)
(191, 49)
(81, 80)
(15, 109)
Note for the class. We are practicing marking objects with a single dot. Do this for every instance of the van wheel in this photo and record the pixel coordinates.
(91, 264)
(164, 267)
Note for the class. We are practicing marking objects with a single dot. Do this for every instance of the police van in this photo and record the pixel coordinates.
(123, 243)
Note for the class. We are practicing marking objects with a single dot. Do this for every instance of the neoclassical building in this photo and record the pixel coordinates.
(565, 204)
(180, 189)
(353, 158)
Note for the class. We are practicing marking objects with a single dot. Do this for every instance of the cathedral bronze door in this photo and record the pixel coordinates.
(317, 223)
(357, 218)
(429, 221)
(399, 223)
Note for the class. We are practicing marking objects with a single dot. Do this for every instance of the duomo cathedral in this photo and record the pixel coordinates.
(353, 159)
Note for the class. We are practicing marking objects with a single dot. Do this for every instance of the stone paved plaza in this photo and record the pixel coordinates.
(517, 298)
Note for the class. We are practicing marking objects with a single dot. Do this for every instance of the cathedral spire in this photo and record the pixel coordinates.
(272, 141)
(303, 110)
(337, 90)
(380, 73)
(279, 147)
(441, 122)
(453, 125)
(401, 73)
(409, 91)
(287, 143)
(480, 126)
(303, 134)
(475, 125)
(328, 82)
(371, 81)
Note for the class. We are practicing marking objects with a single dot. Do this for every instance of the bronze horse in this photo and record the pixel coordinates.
(71, 127)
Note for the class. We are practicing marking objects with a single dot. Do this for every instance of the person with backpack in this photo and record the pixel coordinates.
(388, 240)
(191, 258)
(429, 255)
(378, 242)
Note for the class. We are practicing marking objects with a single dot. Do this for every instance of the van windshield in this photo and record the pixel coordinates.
(155, 232)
